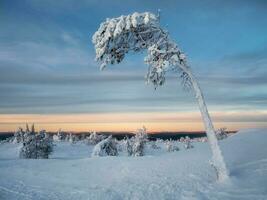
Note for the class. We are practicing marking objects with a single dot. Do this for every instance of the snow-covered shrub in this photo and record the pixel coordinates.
(56, 138)
(36, 145)
(18, 136)
(187, 143)
(202, 139)
(154, 145)
(59, 136)
(121, 144)
(181, 139)
(27, 128)
(95, 138)
(171, 147)
(106, 147)
(7, 140)
(128, 145)
(72, 138)
(136, 145)
(82, 137)
(221, 134)
(67, 137)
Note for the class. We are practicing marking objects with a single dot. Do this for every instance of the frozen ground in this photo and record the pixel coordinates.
(72, 174)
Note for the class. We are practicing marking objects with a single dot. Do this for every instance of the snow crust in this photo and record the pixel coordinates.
(72, 173)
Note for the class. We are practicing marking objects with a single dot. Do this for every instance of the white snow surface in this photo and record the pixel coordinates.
(72, 173)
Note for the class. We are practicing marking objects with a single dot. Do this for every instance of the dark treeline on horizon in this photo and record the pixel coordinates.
(122, 135)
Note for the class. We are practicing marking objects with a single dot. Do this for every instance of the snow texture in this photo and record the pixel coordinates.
(159, 175)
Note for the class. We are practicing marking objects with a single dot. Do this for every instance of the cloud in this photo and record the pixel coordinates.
(257, 54)
(253, 80)
(69, 39)
(33, 54)
(143, 117)
(47, 58)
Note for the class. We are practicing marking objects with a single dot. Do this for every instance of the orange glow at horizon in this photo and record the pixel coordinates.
(155, 122)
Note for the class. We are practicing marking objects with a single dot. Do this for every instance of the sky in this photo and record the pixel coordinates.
(48, 75)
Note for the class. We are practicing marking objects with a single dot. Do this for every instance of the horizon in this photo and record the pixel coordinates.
(48, 75)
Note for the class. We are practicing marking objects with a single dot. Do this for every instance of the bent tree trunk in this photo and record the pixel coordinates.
(117, 36)
(217, 157)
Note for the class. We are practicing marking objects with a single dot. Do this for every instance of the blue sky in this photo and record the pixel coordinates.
(47, 62)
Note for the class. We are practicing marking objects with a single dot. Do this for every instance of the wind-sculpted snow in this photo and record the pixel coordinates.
(159, 175)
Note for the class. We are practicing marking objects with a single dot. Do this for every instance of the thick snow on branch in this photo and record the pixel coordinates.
(106, 147)
(117, 36)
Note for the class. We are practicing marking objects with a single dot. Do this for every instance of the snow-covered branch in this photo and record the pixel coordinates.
(139, 31)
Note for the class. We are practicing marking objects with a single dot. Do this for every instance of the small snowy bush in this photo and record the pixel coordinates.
(136, 145)
(128, 144)
(36, 145)
(200, 139)
(187, 143)
(182, 139)
(106, 147)
(95, 138)
(154, 145)
(171, 147)
(121, 144)
(18, 136)
(59, 136)
(72, 138)
(221, 134)
(82, 137)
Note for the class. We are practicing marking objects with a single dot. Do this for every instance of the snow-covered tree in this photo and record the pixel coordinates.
(171, 147)
(187, 143)
(106, 147)
(82, 137)
(221, 133)
(121, 145)
(56, 138)
(36, 145)
(27, 128)
(20, 133)
(71, 138)
(136, 145)
(154, 145)
(18, 136)
(59, 136)
(128, 145)
(33, 128)
(139, 31)
(204, 139)
(95, 138)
